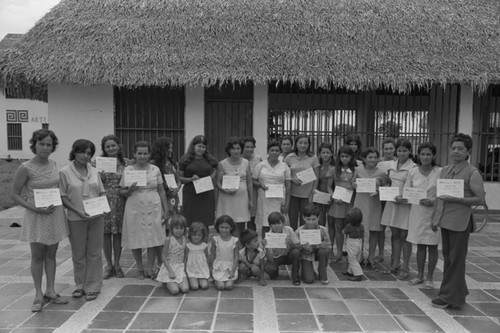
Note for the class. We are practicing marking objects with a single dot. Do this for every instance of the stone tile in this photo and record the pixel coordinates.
(355, 293)
(378, 276)
(74, 304)
(484, 277)
(7, 301)
(48, 319)
(234, 322)
(478, 324)
(237, 292)
(210, 293)
(378, 323)
(125, 304)
(488, 308)
(112, 320)
(228, 305)
(430, 293)
(33, 330)
(402, 308)
(472, 268)
(289, 293)
(365, 307)
(160, 291)
(17, 263)
(490, 267)
(103, 331)
(323, 293)
(193, 321)
(162, 304)
(17, 289)
(339, 323)
(11, 319)
(388, 293)
(465, 310)
(198, 305)
(418, 324)
(152, 321)
(327, 306)
(493, 292)
(297, 306)
(478, 295)
(304, 323)
(135, 290)
(13, 254)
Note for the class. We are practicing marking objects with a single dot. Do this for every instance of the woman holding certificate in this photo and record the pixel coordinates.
(271, 178)
(162, 156)
(80, 182)
(44, 226)
(234, 181)
(146, 209)
(454, 216)
(304, 167)
(196, 165)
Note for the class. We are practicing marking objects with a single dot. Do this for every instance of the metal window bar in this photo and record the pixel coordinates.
(14, 137)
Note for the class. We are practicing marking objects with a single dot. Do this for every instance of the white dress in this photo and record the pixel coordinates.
(224, 258)
(235, 204)
(197, 265)
(175, 260)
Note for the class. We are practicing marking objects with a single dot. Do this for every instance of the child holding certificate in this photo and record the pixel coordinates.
(252, 257)
(317, 251)
(325, 153)
(354, 231)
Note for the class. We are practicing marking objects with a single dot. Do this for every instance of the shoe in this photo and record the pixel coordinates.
(337, 258)
(416, 281)
(56, 299)
(119, 273)
(356, 278)
(403, 275)
(394, 270)
(140, 275)
(325, 282)
(428, 284)
(78, 293)
(91, 296)
(379, 258)
(296, 283)
(37, 305)
(439, 303)
(347, 274)
(108, 273)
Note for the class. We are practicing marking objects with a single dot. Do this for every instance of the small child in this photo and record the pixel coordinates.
(224, 254)
(172, 271)
(252, 257)
(354, 231)
(311, 252)
(197, 269)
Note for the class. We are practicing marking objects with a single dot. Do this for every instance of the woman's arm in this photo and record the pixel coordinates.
(20, 179)
(69, 205)
(249, 187)
(186, 180)
(477, 189)
(287, 196)
(164, 202)
(236, 257)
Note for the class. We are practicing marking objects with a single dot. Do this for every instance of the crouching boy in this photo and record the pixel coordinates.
(251, 257)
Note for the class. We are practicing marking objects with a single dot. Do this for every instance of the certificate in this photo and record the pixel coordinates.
(311, 236)
(321, 197)
(274, 191)
(230, 182)
(413, 195)
(170, 180)
(275, 240)
(106, 164)
(366, 185)
(342, 193)
(135, 176)
(388, 193)
(46, 197)
(96, 206)
(306, 176)
(204, 184)
(451, 187)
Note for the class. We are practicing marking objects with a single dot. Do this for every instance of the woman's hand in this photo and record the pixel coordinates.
(296, 180)
(264, 187)
(399, 200)
(171, 275)
(45, 210)
(173, 192)
(449, 198)
(426, 202)
(195, 177)
(82, 214)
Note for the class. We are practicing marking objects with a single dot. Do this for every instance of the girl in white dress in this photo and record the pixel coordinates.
(197, 269)
(172, 271)
(224, 254)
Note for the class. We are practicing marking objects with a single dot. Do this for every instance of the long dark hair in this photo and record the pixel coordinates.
(159, 153)
(303, 136)
(431, 147)
(115, 139)
(345, 149)
(326, 145)
(190, 155)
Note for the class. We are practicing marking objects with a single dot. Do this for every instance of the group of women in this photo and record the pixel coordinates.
(139, 213)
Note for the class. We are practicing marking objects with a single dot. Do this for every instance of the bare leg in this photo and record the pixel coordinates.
(50, 269)
(152, 253)
(117, 249)
(184, 286)
(107, 249)
(220, 285)
(193, 283)
(339, 237)
(372, 244)
(421, 254)
(395, 248)
(203, 283)
(407, 247)
(37, 259)
(433, 258)
(173, 288)
(137, 253)
(381, 243)
(331, 229)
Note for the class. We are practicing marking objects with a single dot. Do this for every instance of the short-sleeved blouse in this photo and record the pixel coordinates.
(339, 209)
(296, 165)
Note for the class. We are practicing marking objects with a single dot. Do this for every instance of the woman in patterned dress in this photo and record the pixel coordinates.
(43, 227)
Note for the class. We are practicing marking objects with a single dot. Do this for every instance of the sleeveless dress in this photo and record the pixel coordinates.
(176, 261)
(370, 205)
(113, 222)
(236, 204)
(197, 265)
(50, 228)
(224, 256)
(339, 210)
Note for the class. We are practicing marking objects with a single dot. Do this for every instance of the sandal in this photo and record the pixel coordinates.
(416, 281)
(56, 299)
(337, 259)
(140, 275)
(91, 296)
(78, 293)
(403, 275)
(428, 284)
(119, 273)
(108, 273)
(37, 305)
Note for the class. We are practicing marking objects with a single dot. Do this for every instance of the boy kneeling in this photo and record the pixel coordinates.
(251, 257)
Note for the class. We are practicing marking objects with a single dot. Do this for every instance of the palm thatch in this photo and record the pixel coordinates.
(356, 44)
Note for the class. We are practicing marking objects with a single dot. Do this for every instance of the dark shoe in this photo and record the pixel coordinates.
(439, 303)
(78, 293)
(108, 273)
(324, 282)
(119, 273)
(37, 305)
(91, 296)
(56, 300)
(140, 275)
(296, 283)
(355, 278)
(347, 274)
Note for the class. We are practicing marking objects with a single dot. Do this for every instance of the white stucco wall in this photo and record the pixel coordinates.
(37, 115)
(260, 106)
(194, 113)
(79, 112)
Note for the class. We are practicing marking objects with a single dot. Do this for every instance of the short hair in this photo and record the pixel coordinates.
(370, 150)
(431, 147)
(117, 140)
(233, 141)
(79, 146)
(276, 218)
(41, 134)
(461, 137)
(286, 137)
(389, 140)
(326, 145)
(311, 209)
(142, 144)
(353, 138)
(225, 219)
(198, 227)
(273, 143)
(404, 143)
(247, 236)
(249, 139)
(309, 141)
(354, 216)
(177, 220)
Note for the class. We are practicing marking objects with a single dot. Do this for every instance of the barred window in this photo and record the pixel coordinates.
(14, 137)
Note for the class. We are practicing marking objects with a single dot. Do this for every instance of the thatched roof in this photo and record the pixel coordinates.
(356, 44)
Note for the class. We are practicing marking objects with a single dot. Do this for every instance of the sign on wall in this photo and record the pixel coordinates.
(17, 116)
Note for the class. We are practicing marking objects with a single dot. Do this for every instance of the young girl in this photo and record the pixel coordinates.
(354, 231)
(325, 153)
(224, 254)
(172, 270)
(343, 174)
(197, 269)
(369, 203)
(354, 141)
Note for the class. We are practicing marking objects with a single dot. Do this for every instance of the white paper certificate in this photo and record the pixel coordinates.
(388, 193)
(306, 176)
(275, 240)
(413, 195)
(46, 197)
(96, 206)
(203, 185)
(451, 187)
(366, 185)
(230, 182)
(311, 236)
(341, 193)
(321, 197)
(135, 176)
(170, 180)
(106, 164)
(274, 191)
